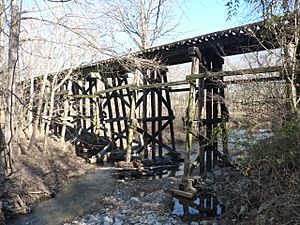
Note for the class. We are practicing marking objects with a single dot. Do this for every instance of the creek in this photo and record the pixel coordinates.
(85, 193)
(77, 198)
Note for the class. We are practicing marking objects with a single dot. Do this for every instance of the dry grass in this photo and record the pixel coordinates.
(274, 171)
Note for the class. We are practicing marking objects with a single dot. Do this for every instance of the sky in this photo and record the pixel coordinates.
(203, 17)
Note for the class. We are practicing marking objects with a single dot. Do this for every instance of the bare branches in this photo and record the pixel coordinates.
(144, 21)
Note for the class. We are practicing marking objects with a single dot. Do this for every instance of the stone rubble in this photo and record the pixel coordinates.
(149, 202)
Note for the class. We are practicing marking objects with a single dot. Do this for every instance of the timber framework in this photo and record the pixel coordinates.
(121, 108)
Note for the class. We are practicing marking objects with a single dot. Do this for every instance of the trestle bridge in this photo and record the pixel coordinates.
(122, 106)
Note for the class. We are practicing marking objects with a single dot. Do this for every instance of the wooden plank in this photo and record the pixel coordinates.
(209, 74)
(133, 87)
(159, 85)
(112, 89)
(157, 118)
(184, 194)
(251, 80)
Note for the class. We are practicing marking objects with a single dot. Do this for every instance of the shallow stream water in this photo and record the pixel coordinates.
(86, 193)
(80, 196)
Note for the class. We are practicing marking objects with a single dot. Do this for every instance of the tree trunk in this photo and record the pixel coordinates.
(11, 73)
(50, 115)
(36, 118)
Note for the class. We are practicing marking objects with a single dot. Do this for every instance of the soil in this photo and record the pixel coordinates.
(37, 177)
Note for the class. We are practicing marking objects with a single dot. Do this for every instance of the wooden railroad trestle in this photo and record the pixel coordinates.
(124, 110)
(111, 105)
(115, 110)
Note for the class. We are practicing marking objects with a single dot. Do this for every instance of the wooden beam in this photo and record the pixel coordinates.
(132, 126)
(208, 74)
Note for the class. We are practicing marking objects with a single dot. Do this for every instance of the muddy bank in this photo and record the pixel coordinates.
(37, 177)
(80, 196)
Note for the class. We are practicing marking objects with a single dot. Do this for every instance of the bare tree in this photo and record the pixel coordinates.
(13, 48)
(282, 19)
(144, 21)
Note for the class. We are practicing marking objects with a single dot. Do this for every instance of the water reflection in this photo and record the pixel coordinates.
(76, 199)
(203, 205)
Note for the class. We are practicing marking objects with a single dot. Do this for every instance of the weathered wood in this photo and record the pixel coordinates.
(154, 140)
(189, 132)
(110, 114)
(209, 74)
(209, 127)
(159, 124)
(184, 194)
(159, 85)
(112, 89)
(117, 112)
(169, 108)
(123, 106)
(132, 87)
(215, 115)
(132, 126)
(145, 106)
(153, 114)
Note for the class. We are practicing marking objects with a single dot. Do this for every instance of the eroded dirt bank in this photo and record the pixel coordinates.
(37, 177)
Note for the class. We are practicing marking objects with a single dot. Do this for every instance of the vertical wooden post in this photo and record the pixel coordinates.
(215, 114)
(131, 125)
(209, 126)
(117, 112)
(190, 118)
(189, 135)
(92, 88)
(159, 108)
(200, 116)
(224, 117)
(110, 114)
(123, 107)
(153, 115)
(145, 93)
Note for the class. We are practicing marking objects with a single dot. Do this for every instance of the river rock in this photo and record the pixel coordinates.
(204, 222)
(134, 199)
(209, 180)
(108, 220)
(217, 172)
(194, 223)
(242, 210)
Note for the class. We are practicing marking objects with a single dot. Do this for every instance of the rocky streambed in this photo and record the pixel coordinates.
(149, 201)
